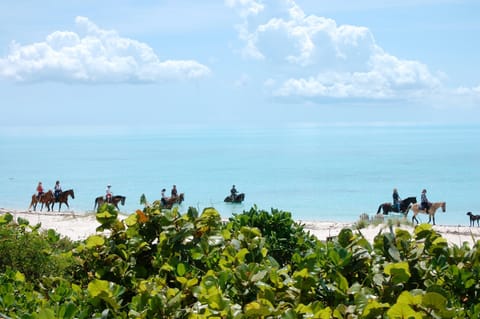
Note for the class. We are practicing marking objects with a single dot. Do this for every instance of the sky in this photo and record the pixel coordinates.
(87, 64)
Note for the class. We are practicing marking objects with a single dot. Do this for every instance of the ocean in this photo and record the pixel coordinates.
(318, 173)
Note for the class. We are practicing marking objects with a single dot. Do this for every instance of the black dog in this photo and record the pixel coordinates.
(474, 218)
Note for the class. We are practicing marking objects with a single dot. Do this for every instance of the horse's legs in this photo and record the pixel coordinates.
(414, 218)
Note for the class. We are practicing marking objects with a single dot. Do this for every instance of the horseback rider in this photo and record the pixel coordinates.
(164, 197)
(424, 203)
(39, 190)
(396, 200)
(233, 192)
(57, 189)
(174, 191)
(108, 195)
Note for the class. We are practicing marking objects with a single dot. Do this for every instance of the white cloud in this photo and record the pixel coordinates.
(93, 55)
(315, 57)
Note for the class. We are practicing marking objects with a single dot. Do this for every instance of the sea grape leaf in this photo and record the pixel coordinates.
(6, 218)
(399, 272)
(98, 287)
(401, 311)
(94, 241)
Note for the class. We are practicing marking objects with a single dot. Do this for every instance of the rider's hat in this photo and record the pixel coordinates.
(109, 185)
(424, 190)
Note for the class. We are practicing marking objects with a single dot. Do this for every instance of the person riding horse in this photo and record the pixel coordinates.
(396, 200)
(109, 194)
(39, 190)
(424, 203)
(57, 189)
(233, 193)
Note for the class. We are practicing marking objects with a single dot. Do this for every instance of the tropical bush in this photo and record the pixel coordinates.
(159, 263)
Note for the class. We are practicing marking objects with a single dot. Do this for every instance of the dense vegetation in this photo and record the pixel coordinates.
(162, 264)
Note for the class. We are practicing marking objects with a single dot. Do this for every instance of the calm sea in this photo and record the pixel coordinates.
(316, 173)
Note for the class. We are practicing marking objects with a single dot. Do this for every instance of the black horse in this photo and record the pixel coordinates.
(404, 205)
(238, 198)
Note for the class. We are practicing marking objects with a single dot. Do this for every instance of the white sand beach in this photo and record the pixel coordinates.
(79, 226)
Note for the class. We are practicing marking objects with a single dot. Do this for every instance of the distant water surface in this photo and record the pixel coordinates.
(316, 173)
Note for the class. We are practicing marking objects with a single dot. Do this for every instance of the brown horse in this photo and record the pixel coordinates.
(100, 200)
(45, 199)
(431, 211)
(63, 198)
(169, 202)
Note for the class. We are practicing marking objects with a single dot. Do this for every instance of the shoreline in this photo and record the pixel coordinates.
(80, 225)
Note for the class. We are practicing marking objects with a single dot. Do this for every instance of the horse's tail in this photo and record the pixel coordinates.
(34, 200)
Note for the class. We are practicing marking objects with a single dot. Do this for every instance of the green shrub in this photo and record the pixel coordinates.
(34, 253)
(283, 236)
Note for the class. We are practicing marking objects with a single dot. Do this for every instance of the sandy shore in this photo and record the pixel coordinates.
(79, 226)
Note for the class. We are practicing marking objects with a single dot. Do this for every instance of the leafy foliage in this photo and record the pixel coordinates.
(159, 263)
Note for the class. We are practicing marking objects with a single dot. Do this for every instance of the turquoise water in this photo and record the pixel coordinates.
(317, 173)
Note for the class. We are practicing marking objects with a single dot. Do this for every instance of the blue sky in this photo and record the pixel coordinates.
(246, 63)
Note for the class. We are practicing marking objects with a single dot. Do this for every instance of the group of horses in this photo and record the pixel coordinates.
(48, 200)
(410, 203)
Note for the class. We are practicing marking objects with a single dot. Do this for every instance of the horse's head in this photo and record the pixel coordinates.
(71, 193)
(123, 199)
(411, 200)
(444, 207)
(181, 198)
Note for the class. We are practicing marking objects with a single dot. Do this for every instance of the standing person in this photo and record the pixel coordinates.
(39, 190)
(424, 203)
(233, 193)
(396, 200)
(57, 189)
(174, 191)
(108, 195)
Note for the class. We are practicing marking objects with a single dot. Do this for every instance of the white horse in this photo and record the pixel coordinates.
(431, 211)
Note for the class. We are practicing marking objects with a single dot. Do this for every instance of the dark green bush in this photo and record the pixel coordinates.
(283, 236)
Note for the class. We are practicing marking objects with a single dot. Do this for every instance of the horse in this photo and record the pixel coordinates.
(238, 198)
(169, 202)
(431, 211)
(404, 205)
(474, 218)
(63, 198)
(115, 200)
(45, 199)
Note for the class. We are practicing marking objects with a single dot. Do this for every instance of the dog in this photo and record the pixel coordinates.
(474, 218)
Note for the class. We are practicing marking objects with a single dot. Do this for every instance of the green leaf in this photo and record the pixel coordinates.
(399, 272)
(434, 300)
(19, 276)
(5, 218)
(94, 241)
(181, 269)
(402, 311)
(131, 220)
(98, 287)
(262, 307)
(374, 309)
